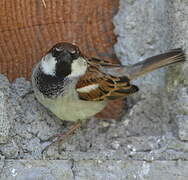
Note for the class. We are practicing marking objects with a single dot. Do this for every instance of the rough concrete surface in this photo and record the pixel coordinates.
(5, 120)
(94, 170)
(150, 142)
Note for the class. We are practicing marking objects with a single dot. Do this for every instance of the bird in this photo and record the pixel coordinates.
(75, 87)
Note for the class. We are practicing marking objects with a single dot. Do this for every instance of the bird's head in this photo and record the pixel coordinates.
(64, 60)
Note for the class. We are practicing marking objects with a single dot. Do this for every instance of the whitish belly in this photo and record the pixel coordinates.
(71, 108)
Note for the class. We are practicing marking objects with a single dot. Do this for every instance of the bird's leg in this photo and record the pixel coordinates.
(62, 137)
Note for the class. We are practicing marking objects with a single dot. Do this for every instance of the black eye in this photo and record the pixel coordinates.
(56, 52)
(75, 54)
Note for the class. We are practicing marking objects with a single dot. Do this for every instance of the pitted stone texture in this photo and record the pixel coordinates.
(5, 121)
(145, 28)
(142, 31)
(35, 170)
(177, 78)
(94, 169)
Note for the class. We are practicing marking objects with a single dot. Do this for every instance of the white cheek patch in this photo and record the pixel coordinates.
(88, 88)
(48, 64)
(78, 67)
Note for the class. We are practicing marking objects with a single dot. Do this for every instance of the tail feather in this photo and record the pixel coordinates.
(148, 65)
(156, 62)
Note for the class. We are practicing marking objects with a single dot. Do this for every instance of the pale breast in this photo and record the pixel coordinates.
(70, 108)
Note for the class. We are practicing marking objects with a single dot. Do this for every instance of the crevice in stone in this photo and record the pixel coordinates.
(73, 168)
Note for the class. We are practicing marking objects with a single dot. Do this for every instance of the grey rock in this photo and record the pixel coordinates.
(142, 30)
(145, 28)
(37, 170)
(140, 170)
(4, 85)
(5, 122)
(94, 169)
(182, 122)
(149, 116)
(177, 77)
(21, 87)
(10, 150)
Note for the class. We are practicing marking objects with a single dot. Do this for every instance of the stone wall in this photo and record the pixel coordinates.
(150, 142)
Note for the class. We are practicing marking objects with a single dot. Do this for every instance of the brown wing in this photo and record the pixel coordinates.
(96, 85)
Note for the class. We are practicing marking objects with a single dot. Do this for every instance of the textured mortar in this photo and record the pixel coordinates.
(149, 141)
(92, 170)
(145, 28)
(6, 118)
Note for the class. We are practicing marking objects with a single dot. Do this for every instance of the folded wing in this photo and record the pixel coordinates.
(96, 85)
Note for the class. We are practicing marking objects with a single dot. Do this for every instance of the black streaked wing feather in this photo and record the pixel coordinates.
(109, 87)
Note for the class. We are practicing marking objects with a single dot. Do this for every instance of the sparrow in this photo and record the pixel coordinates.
(75, 87)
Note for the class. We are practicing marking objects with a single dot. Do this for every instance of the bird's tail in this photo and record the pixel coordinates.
(149, 64)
